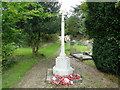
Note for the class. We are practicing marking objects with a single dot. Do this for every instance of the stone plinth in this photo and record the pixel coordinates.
(62, 66)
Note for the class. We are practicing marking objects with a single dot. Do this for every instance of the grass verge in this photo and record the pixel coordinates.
(75, 48)
(90, 63)
(24, 62)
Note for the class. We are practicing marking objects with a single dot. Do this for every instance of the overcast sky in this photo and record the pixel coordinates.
(68, 4)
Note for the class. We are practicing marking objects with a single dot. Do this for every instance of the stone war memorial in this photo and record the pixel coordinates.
(62, 71)
(60, 44)
(62, 66)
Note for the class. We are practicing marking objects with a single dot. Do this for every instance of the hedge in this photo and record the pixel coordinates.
(103, 25)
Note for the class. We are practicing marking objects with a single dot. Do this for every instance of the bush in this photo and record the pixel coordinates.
(7, 51)
(105, 55)
(50, 38)
(103, 24)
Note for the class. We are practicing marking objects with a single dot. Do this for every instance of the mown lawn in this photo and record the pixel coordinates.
(24, 62)
(90, 63)
(77, 49)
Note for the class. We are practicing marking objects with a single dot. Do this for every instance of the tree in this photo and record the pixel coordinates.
(75, 24)
(37, 27)
(81, 12)
(102, 23)
(10, 31)
(72, 26)
(15, 13)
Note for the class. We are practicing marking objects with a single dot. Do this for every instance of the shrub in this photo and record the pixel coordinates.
(7, 51)
(105, 55)
(50, 38)
(103, 23)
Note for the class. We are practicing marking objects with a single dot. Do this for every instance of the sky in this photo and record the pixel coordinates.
(68, 4)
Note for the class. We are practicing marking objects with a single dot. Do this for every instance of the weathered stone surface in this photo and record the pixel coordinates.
(79, 43)
(80, 55)
(49, 75)
(87, 53)
(62, 66)
(72, 43)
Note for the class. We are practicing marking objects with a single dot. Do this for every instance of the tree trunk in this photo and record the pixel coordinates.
(35, 50)
(35, 44)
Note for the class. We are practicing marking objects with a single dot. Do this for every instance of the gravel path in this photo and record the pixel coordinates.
(92, 78)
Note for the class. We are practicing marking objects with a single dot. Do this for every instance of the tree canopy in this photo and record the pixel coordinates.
(30, 22)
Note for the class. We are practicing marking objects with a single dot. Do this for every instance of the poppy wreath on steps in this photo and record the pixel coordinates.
(74, 77)
(57, 80)
(65, 80)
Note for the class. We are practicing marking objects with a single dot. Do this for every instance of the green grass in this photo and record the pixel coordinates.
(90, 63)
(98, 84)
(75, 48)
(24, 62)
(50, 50)
(23, 51)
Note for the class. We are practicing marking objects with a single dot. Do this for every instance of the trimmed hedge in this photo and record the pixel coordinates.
(103, 24)
(105, 55)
